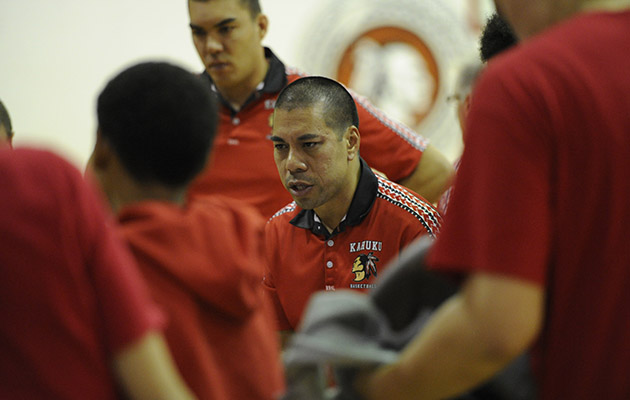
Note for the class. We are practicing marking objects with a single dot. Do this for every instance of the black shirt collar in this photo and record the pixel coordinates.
(274, 81)
(361, 204)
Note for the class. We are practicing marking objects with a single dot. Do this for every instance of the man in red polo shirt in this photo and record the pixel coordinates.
(346, 223)
(202, 259)
(76, 320)
(248, 78)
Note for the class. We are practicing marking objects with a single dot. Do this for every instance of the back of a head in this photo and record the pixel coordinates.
(160, 121)
(496, 36)
(339, 108)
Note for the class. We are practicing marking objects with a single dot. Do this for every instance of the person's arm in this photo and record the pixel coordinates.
(472, 336)
(432, 176)
(145, 370)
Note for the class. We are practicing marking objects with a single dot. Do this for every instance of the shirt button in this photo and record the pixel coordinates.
(331, 243)
(236, 120)
(329, 264)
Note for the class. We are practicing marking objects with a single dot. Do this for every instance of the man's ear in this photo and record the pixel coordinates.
(101, 155)
(353, 140)
(263, 24)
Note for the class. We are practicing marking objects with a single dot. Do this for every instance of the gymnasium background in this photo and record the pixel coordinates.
(403, 54)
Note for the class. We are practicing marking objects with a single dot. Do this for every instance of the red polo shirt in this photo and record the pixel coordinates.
(303, 257)
(70, 294)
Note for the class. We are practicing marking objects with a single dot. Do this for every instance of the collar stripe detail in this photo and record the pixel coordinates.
(286, 209)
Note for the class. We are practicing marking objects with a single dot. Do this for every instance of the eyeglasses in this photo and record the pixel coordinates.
(454, 98)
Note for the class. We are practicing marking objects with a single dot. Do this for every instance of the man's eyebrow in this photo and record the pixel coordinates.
(308, 136)
(302, 138)
(274, 138)
(217, 25)
(225, 22)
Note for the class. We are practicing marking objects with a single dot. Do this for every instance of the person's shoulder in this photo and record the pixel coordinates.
(406, 202)
(44, 174)
(226, 210)
(284, 214)
(37, 161)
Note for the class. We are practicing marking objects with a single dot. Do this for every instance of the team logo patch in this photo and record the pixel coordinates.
(364, 267)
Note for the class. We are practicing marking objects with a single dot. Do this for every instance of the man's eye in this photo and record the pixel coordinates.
(225, 30)
(309, 145)
(280, 146)
(198, 32)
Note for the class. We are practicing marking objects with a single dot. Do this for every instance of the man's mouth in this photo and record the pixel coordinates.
(299, 188)
(218, 66)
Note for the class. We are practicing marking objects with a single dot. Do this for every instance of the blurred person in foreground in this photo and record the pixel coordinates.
(76, 319)
(203, 259)
(539, 219)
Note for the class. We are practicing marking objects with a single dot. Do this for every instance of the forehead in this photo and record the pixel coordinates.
(214, 11)
(299, 121)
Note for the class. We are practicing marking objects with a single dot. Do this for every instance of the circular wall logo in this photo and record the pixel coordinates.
(400, 54)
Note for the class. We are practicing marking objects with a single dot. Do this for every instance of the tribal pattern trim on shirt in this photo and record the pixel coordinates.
(397, 195)
(417, 141)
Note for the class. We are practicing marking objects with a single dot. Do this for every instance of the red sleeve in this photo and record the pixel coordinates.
(499, 217)
(282, 323)
(387, 145)
(126, 309)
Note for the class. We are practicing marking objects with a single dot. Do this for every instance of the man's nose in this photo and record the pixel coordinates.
(295, 163)
(213, 45)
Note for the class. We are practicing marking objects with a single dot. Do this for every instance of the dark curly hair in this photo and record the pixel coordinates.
(497, 35)
(160, 121)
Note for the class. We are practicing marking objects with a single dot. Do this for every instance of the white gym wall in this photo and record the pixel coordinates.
(57, 55)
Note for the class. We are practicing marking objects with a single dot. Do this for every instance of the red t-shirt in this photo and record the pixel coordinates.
(204, 265)
(70, 295)
(543, 194)
(241, 164)
(303, 258)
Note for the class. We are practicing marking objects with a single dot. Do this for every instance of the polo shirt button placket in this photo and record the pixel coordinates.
(329, 272)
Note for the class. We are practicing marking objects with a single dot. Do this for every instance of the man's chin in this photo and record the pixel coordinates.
(304, 203)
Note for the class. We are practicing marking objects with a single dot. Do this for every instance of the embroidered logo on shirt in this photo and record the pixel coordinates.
(363, 267)
(372, 245)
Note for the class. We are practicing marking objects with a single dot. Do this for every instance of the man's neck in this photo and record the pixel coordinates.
(238, 94)
(141, 193)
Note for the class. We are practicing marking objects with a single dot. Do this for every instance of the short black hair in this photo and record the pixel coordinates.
(5, 120)
(160, 121)
(340, 110)
(252, 5)
(497, 35)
